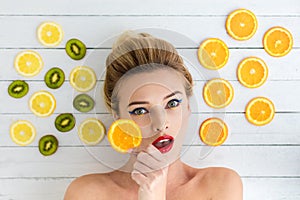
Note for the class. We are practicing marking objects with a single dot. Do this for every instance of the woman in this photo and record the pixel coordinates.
(146, 81)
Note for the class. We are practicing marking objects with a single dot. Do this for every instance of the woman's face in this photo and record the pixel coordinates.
(157, 102)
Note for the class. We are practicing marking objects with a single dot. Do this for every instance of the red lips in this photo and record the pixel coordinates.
(164, 143)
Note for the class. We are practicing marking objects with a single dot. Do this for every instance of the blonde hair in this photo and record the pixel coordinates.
(133, 50)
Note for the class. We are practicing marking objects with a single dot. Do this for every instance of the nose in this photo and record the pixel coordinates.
(158, 118)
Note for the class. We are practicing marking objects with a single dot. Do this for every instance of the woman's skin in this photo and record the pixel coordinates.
(150, 174)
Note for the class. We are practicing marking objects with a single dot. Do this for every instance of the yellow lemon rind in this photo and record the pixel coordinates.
(39, 34)
(99, 123)
(53, 100)
(74, 85)
(14, 139)
(19, 55)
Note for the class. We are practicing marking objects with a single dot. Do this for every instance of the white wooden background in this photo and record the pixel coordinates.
(267, 158)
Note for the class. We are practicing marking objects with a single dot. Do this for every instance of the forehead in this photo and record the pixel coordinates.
(165, 79)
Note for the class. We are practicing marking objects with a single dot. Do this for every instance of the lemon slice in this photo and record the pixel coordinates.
(83, 78)
(22, 132)
(42, 103)
(28, 63)
(124, 134)
(50, 34)
(91, 131)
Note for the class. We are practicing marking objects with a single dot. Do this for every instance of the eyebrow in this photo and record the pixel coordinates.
(146, 102)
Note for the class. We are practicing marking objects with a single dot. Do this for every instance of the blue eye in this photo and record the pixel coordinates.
(174, 103)
(138, 111)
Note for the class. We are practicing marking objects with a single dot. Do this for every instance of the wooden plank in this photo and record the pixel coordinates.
(153, 7)
(275, 161)
(54, 188)
(33, 189)
(283, 130)
(285, 68)
(271, 189)
(280, 92)
(97, 31)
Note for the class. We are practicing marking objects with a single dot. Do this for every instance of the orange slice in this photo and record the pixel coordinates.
(91, 131)
(252, 72)
(241, 24)
(22, 132)
(213, 53)
(213, 132)
(50, 34)
(260, 111)
(218, 93)
(28, 63)
(83, 78)
(278, 41)
(42, 103)
(124, 134)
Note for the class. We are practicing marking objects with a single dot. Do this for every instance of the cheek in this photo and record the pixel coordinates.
(175, 118)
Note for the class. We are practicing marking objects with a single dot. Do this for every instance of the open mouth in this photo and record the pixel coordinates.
(164, 143)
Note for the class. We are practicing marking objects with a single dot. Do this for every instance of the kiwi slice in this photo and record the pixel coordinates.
(65, 122)
(83, 103)
(75, 49)
(48, 145)
(54, 78)
(18, 89)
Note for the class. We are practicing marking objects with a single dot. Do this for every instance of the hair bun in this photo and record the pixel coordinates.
(127, 35)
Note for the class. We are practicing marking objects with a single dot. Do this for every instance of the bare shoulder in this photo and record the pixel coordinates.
(223, 183)
(87, 186)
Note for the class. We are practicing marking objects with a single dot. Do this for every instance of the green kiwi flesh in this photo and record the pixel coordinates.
(75, 49)
(18, 89)
(65, 122)
(83, 103)
(54, 78)
(48, 145)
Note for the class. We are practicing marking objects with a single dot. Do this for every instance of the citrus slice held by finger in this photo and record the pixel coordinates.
(28, 63)
(213, 132)
(124, 134)
(213, 53)
(42, 103)
(260, 111)
(83, 78)
(218, 93)
(241, 24)
(91, 131)
(22, 132)
(50, 34)
(252, 72)
(278, 41)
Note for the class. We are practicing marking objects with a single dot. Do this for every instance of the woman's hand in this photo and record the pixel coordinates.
(150, 172)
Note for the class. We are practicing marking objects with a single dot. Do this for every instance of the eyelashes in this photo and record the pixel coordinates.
(138, 111)
(172, 104)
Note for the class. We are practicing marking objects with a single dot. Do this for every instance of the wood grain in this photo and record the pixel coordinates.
(267, 157)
